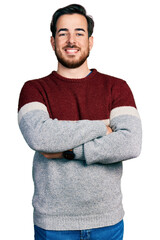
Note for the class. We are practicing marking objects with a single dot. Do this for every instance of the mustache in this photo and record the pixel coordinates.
(71, 46)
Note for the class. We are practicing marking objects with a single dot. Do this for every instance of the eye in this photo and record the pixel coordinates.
(62, 34)
(79, 34)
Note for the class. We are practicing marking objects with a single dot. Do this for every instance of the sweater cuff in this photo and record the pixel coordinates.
(79, 152)
(103, 128)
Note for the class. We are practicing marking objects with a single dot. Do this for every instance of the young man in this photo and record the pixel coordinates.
(82, 124)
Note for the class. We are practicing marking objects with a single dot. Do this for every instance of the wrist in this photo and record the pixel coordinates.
(69, 154)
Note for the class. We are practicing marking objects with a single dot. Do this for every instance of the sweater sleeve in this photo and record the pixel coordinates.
(51, 135)
(125, 140)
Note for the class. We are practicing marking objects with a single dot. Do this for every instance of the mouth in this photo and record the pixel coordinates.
(71, 51)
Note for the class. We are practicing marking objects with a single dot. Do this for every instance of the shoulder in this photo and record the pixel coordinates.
(34, 91)
(121, 93)
(38, 81)
(112, 79)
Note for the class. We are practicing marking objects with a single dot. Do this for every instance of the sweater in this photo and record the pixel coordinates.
(56, 114)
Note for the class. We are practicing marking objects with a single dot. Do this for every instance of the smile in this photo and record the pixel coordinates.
(71, 51)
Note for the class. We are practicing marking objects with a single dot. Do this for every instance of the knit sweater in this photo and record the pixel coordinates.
(56, 114)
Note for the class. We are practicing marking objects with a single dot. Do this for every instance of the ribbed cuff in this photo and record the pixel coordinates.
(79, 152)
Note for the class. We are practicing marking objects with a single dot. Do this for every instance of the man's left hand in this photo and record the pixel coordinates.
(53, 155)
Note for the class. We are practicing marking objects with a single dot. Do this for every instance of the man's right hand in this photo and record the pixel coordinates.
(109, 130)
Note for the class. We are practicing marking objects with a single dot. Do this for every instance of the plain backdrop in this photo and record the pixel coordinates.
(126, 45)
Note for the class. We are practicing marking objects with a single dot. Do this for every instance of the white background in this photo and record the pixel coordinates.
(126, 45)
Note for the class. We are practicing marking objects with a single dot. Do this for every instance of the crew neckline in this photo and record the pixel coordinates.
(76, 80)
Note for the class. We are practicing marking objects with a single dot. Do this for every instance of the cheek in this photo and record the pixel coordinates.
(86, 46)
(60, 43)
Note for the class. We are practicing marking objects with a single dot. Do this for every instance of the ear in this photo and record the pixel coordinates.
(90, 42)
(53, 43)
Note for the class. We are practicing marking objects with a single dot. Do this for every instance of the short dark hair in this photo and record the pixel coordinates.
(71, 9)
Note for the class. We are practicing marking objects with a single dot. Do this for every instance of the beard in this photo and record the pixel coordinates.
(71, 62)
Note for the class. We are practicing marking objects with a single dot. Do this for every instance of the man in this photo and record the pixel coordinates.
(82, 124)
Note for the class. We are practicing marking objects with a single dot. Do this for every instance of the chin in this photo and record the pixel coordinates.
(72, 63)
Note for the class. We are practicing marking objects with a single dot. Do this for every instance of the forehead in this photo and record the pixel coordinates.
(72, 21)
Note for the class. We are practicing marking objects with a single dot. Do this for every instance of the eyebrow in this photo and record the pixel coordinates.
(66, 30)
(80, 29)
(62, 29)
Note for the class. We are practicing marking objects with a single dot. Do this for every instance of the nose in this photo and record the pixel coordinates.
(71, 38)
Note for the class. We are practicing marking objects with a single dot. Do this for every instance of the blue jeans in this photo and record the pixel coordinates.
(114, 232)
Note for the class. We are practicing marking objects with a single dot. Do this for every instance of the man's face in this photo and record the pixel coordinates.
(71, 43)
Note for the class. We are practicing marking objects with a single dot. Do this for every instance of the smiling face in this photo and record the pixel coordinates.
(71, 43)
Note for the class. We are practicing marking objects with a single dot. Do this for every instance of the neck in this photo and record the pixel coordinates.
(79, 72)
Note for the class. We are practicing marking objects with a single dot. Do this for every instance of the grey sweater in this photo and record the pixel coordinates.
(85, 192)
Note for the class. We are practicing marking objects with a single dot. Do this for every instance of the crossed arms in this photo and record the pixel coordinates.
(88, 139)
(60, 155)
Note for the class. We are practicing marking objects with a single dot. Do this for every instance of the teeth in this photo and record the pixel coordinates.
(71, 50)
